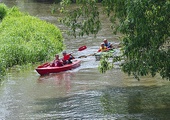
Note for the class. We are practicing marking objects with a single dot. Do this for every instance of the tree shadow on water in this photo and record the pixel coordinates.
(125, 103)
(137, 102)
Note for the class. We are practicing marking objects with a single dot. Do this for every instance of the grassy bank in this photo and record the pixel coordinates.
(26, 39)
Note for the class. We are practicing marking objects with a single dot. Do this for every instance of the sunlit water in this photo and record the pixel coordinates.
(82, 93)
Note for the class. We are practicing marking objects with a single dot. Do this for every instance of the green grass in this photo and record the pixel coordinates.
(26, 39)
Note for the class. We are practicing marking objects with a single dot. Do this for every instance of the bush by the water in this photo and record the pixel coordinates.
(3, 11)
(26, 39)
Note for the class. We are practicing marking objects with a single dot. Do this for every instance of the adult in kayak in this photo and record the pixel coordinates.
(57, 62)
(110, 45)
(67, 58)
(107, 44)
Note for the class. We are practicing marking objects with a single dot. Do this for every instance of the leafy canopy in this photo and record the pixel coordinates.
(144, 25)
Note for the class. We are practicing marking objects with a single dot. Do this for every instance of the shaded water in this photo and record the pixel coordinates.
(82, 93)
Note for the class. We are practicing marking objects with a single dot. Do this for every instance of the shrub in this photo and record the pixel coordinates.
(3, 11)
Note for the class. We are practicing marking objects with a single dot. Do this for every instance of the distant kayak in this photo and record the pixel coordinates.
(47, 69)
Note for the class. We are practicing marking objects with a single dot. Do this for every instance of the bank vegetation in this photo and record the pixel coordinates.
(26, 39)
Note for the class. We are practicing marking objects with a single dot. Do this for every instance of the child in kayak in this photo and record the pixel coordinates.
(57, 62)
(67, 58)
(103, 48)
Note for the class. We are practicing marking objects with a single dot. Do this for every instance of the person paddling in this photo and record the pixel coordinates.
(110, 45)
(67, 58)
(107, 44)
(56, 62)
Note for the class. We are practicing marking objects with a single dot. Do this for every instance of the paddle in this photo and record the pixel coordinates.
(93, 54)
(82, 48)
(84, 56)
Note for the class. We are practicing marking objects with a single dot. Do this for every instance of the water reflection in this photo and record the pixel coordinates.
(62, 79)
(122, 103)
(137, 102)
(84, 93)
(71, 107)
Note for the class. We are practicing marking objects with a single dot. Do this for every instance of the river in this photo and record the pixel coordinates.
(83, 93)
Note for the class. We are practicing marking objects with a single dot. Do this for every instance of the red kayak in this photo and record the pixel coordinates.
(46, 69)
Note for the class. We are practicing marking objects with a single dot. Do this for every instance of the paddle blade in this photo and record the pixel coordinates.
(82, 48)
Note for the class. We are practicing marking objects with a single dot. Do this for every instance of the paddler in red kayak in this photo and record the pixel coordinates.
(67, 58)
(57, 62)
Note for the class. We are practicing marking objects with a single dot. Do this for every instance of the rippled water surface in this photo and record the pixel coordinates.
(82, 93)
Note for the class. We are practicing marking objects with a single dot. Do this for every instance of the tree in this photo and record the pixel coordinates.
(145, 27)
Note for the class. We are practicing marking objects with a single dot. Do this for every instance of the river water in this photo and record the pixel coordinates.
(82, 93)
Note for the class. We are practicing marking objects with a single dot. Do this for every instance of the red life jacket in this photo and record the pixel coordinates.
(66, 57)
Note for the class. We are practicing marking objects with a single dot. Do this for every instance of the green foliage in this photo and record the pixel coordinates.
(145, 27)
(2, 68)
(83, 20)
(104, 63)
(3, 11)
(26, 39)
